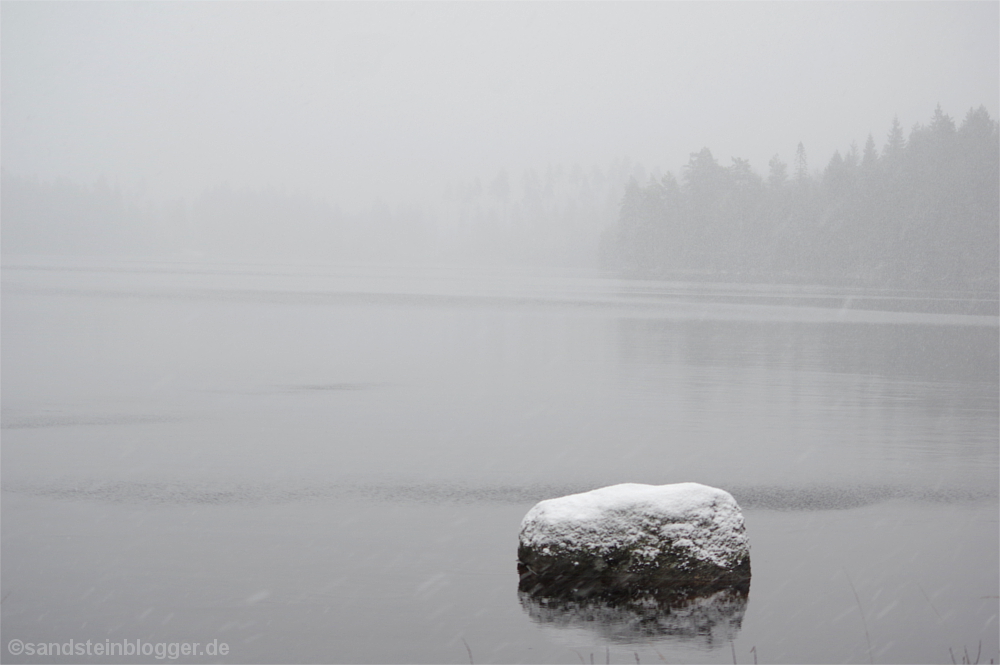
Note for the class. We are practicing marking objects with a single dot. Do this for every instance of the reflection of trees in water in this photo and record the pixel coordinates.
(709, 617)
(954, 353)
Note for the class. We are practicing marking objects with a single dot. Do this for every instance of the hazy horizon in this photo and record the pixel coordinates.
(354, 104)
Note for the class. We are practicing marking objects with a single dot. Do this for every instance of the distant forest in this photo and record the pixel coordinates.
(921, 212)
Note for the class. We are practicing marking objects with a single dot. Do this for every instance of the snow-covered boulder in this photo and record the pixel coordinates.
(633, 537)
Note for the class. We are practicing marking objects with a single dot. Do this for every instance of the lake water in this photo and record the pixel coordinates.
(331, 464)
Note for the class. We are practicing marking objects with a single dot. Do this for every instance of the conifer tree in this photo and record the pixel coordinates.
(801, 165)
(895, 142)
(777, 173)
(869, 158)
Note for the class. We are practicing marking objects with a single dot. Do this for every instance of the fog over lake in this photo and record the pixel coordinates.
(304, 306)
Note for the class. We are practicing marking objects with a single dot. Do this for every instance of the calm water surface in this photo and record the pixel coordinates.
(331, 465)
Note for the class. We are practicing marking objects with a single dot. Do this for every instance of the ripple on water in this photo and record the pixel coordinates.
(750, 498)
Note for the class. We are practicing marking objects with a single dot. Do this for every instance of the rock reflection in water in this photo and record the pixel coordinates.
(707, 617)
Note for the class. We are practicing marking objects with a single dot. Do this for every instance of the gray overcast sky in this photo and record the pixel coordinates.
(349, 101)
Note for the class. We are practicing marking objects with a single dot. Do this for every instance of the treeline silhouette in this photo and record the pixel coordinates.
(553, 219)
(921, 212)
(224, 223)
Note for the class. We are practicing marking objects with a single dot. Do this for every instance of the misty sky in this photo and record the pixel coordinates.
(349, 101)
